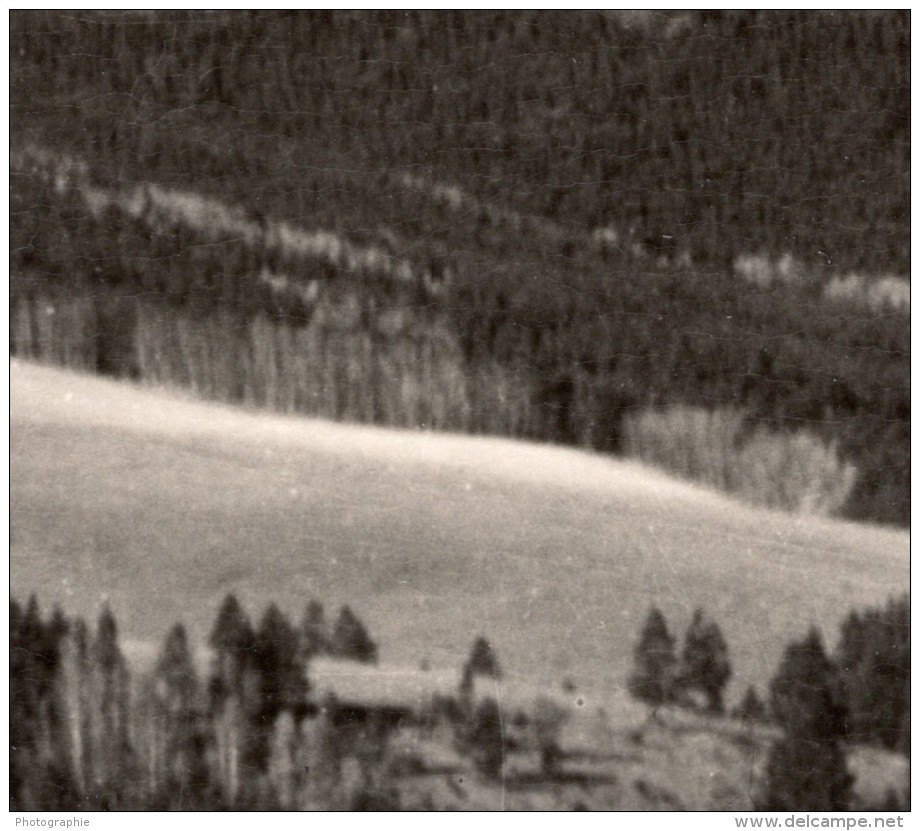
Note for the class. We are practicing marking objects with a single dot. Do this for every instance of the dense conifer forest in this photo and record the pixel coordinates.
(679, 236)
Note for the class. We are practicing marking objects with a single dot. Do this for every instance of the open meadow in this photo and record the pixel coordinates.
(161, 505)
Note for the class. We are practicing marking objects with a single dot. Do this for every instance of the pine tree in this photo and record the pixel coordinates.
(232, 641)
(807, 769)
(175, 672)
(25, 706)
(234, 698)
(351, 640)
(183, 768)
(807, 774)
(62, 781)
(751, 707)
(874, 661)
(232, 630)
(704, 663)
(482, 660)
(654, 667)
(281, 676)
(314, 633)
(805, 694)
(487, 740)
(78, 692)
(283, 770)
(16, 617)
(276, 657)
(111, 681)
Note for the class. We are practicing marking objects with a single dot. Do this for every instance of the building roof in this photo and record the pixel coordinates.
(379, 685)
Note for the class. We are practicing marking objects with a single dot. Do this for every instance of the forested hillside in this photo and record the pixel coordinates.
(550, 225)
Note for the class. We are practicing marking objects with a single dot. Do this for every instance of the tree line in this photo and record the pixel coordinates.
(249, 734)
(238, 729)
(86, 735)
(516, 320)
(859, 695)
(785, 130)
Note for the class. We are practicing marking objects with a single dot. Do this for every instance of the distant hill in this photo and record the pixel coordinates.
(163, 504)
(725, 132)
(536, 225)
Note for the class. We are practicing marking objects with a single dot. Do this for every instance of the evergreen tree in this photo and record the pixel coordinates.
(16, 617)
(874, 661)
(111, 679)
(184, 766)
(25, 706)
(487, 739)
(79, 690)
(282, 684)
(751, 707)
(805, 694)
(654, 665)
(704, 663)
(232, 640)
(235, 700)
(32, 636)
(806, 774)
(314, 632)
(482, 660)
(807, 768)
(175, 671)
(62, 782)
(351, 640)
(232, 631)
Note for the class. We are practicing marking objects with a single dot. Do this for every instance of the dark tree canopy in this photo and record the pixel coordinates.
(482, 660)
(807, 769)
(873, 657)
(805, 694)
(277, 658)
(487, 738)
(501, 147)
(751, 708)
(705, 665)
(176, 667)
(108, 653)
(232, 630)
(314, 631)
(807, 775)
(350, 638)
(654, 662)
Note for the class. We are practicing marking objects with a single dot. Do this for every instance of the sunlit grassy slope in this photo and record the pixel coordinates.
(162, 504)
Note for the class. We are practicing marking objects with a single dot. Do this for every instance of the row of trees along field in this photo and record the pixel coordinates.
(85, 734)
(512, 318)
(869, 672)
(860, 694)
